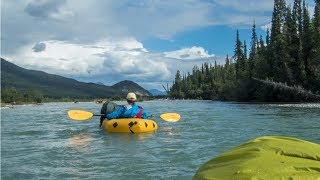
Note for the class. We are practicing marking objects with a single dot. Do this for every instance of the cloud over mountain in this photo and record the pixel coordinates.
(109, 60)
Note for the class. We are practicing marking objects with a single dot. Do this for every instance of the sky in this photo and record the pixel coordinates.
(145, 41)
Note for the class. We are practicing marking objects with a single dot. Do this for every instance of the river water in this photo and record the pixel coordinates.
(42, 142)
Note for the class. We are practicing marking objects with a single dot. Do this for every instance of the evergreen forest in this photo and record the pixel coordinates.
(284, 66)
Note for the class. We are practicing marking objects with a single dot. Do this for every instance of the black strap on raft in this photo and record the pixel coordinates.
(132, 124)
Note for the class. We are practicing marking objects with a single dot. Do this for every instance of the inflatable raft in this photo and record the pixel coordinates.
(129, 125)
(268, 157)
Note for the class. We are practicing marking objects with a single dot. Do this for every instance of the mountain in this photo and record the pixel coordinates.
(129, 86)
(54, 86)
(156, 92)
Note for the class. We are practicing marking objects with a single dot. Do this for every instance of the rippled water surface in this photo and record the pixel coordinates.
(41, 142)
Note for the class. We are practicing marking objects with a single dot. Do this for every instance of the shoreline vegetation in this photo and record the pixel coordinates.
(14, 104)
(11, 97)
(17, 101)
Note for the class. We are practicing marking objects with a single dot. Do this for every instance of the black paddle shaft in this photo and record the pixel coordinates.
(99, 115)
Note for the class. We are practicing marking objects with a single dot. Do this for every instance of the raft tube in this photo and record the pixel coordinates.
(129, 125)
(268, 157)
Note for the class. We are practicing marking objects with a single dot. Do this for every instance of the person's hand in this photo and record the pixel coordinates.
(102, 118)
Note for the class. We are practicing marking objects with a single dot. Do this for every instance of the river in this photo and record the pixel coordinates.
(42, 142)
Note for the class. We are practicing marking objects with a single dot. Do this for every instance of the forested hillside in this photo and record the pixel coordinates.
(23, 85)
(283, 66)
(129, 86)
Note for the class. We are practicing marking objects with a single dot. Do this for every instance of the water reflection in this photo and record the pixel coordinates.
(171, 131)
(125, 137)
(80, 141)
(143, 136)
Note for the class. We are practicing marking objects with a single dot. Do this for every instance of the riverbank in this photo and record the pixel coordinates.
(6, 106)
(12, 105)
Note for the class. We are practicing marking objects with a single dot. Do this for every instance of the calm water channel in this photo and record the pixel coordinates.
(41, 142)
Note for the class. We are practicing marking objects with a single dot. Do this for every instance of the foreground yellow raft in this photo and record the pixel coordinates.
(129, 125)
(268, 157)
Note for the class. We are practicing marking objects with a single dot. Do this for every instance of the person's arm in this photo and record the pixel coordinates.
(131, 111)
(115, 114)
(144, 114)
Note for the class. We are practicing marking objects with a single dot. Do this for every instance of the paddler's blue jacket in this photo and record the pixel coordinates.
(127, 111)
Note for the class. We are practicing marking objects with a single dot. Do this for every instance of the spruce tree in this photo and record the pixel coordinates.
(268, 37)
(306, 41)
(279, 56)
(227, 61)
(177, 86)
(261, 67)
(297, 15)
(313, 46)
(238, 56)
(277, 19)
(253, 50)
(297, 73)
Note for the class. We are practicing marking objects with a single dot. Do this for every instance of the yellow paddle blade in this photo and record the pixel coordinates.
(170, 117)
(79, 115)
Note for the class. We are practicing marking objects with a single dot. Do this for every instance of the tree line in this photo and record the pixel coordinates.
(283, 66)
(12, 95)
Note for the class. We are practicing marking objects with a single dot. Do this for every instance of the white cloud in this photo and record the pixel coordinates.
(89, 21)
(189, 53)
(76, 59)
(110, 61)
(266, 26)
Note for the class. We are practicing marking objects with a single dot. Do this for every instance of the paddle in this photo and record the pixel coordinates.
(170, 117)
(81, 115)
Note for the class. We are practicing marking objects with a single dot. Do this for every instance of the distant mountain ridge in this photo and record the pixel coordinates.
(129, 86)
(156, 92)
(55, 86)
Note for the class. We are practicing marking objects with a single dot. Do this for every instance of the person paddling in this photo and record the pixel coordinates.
(130, 110)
